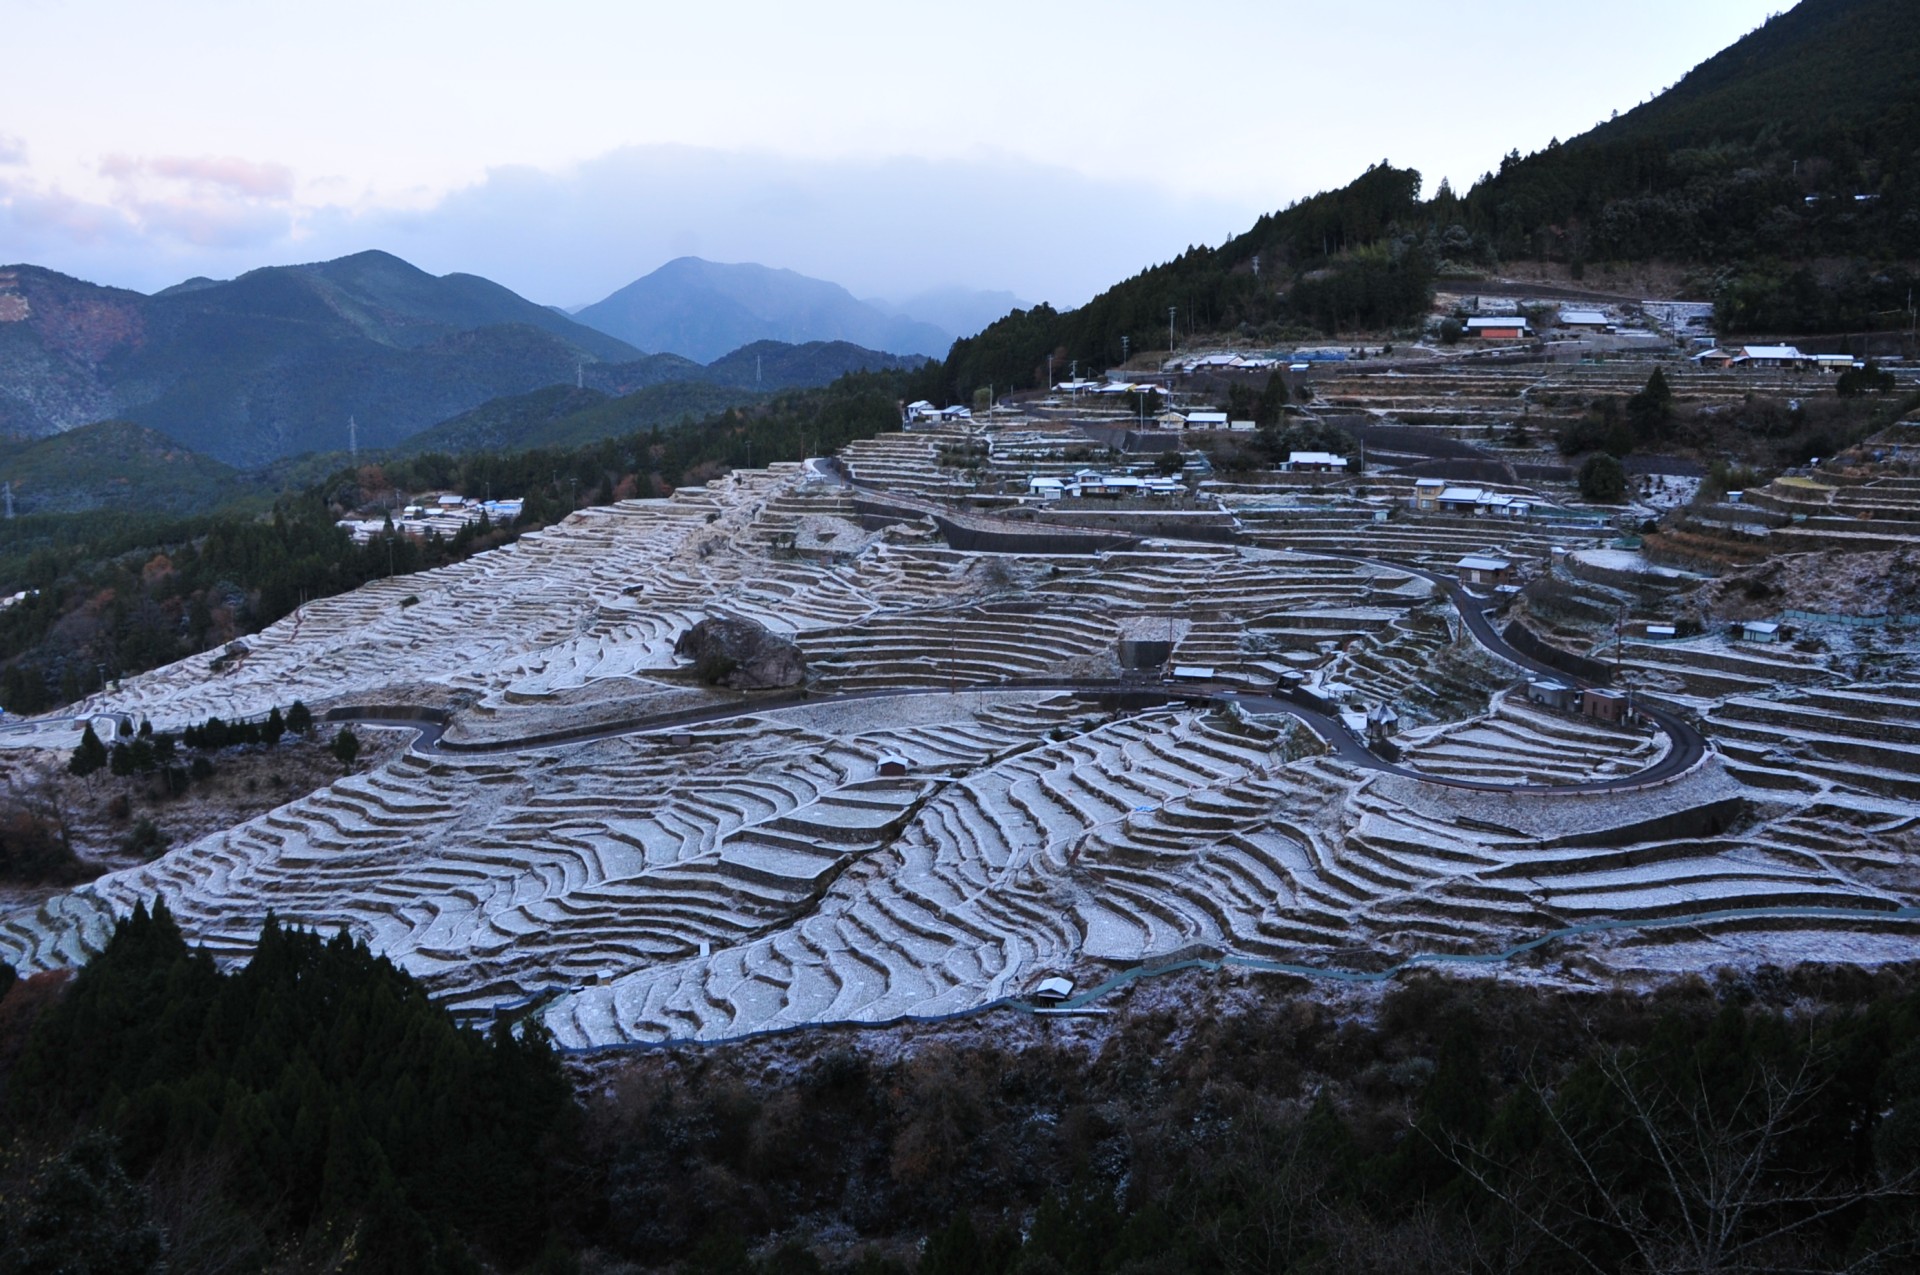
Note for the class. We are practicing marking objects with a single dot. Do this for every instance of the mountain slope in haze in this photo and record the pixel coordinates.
(660, 390)
(703, 309)
(566, 416)
(275, 362)
(961, 311)
(115, 465)
(774, 365)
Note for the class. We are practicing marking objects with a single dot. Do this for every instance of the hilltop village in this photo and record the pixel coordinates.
(1030, 698)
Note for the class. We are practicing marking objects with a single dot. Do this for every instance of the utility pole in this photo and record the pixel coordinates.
(9, 495)
(1170, 310)
(1619, 639)
(353, 438)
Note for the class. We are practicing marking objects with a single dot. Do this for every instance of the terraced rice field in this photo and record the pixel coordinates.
(760, 871)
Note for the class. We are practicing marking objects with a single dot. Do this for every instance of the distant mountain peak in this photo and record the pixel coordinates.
(703, 309)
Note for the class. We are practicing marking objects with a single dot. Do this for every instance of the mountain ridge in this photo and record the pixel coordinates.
(702, 309)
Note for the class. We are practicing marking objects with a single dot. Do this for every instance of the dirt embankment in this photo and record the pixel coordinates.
(1885, 583)
(103, 813)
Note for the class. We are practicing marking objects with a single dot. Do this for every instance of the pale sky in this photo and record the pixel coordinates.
(567, 147)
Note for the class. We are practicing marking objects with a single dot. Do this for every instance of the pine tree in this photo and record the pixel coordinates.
(275, 727)
(89, 757)
(299, 718)
(346, 747)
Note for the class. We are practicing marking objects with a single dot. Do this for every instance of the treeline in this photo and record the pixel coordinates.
(1363, 257)
(111, 596)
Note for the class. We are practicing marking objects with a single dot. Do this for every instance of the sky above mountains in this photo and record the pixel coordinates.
(568, 148)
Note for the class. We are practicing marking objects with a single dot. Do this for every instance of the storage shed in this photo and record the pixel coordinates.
(1552, 694)
(1604, 705)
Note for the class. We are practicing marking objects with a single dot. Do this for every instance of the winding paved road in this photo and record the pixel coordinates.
(1687, 745)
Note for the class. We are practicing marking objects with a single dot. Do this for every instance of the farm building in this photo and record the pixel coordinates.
(1502, 327)
(1426, 494)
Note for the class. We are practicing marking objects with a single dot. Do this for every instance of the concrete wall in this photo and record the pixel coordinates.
(971, 538)
(1527, 642)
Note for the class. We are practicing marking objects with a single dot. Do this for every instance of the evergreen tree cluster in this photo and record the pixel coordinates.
(321, 1103)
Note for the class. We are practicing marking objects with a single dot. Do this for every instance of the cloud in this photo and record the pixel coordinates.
(13, 150)
(223, 173)
(881, 227)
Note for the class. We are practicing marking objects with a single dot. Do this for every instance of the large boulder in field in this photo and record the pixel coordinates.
(741, 654)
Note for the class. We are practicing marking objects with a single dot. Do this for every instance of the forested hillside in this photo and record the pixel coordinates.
(1785, 171)
(110, 594)
(1790, 160)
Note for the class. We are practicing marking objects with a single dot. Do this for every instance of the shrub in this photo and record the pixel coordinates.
(1603, 479)
(145, 840)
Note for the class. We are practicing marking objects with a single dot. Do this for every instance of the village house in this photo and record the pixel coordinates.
(1591, 320)
(1491, 572)
(1313, 463)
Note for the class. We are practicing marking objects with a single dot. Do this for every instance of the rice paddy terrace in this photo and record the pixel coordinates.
(974, 793)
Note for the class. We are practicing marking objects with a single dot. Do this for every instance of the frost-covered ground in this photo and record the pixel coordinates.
(758, 871)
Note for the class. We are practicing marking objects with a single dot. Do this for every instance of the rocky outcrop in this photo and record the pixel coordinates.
(741, 654)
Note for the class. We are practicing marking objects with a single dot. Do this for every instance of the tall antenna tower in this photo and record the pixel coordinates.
(8, 493)
(580, 375)
(756, 369)
(353, 438)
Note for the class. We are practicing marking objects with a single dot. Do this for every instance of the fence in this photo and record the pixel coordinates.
(1849, 621)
